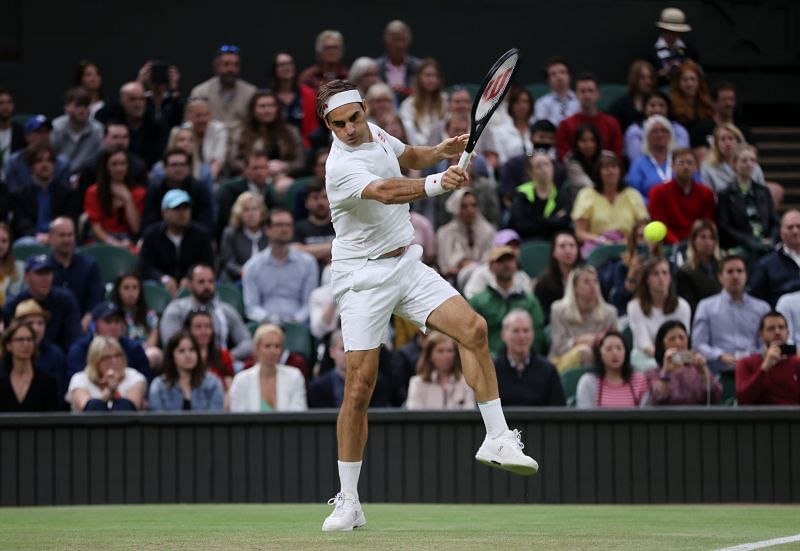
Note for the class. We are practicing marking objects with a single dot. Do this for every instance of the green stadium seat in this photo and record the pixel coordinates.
(728, 381)
(298, 339)
(156, 296)
(183, 292)
(252, 326)
(627, 337)
(609, 93)
(113, 261)
(232, 295)
(470, 87)
(569, 382)
(22, 118)
(605, 253)
(537, 90)
(533, 257)
(24, 251)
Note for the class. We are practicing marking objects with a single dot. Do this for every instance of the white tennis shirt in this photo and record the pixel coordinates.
(365, 228)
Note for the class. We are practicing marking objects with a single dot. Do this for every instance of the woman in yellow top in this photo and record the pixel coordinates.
(605, 213)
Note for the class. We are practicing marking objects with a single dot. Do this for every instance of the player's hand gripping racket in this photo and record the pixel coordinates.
(490, 95)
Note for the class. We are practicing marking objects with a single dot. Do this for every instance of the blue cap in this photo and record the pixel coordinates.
(37, 263)
(175, 198)
(36, 122)
(105, 310)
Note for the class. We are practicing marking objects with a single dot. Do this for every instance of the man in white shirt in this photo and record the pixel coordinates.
(376, 273)
(560, 102)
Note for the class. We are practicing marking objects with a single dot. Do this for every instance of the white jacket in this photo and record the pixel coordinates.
(245, 392)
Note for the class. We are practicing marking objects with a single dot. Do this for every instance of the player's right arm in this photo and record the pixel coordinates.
(394, 191)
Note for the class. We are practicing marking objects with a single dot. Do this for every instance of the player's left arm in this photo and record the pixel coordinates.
(419, 156)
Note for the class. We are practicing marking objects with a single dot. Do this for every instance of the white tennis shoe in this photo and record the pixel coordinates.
(505, 452)
(346, 515)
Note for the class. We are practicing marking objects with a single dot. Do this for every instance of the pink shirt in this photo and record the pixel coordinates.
(625, 395)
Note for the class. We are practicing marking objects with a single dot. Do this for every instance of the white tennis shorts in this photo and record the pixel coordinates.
(368, 297)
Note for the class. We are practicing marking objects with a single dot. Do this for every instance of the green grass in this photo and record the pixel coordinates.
(391, 527)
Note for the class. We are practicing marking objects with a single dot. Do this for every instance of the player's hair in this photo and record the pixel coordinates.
(236, 212)
(770, 314)
(324, 35)
(331, 89)
(633, 74)
(701, 224)
(78, 95)
(425, 366)
(643, 289)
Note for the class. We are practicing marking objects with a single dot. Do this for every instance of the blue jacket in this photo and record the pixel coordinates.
(83, 278)
(775, 274)
(76, 359)
(208, 396)
(64, 326)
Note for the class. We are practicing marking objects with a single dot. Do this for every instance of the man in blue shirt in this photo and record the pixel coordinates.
(18, 174)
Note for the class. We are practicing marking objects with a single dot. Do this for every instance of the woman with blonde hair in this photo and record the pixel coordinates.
(244, 236)
(577, 319)
(183, 137)
(439, 383)
(106, 384)
(11, 270)
(717, 169)
(426, 107)
(697, 278)
(268, 385)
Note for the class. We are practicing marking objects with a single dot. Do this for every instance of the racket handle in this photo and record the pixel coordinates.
(463, 162)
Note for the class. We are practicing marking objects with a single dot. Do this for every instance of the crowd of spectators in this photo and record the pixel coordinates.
(225, 186)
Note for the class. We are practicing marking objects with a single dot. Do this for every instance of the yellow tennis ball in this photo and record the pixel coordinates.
(655, 231)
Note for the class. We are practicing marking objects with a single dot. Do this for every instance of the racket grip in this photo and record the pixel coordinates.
(463, 162)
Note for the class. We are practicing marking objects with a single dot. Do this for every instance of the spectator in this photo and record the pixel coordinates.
(681, 376)
(34, 206)
(459, 108)
(564, 256)
(177, 176)
(747, 217)
(605, 212)
(578, 318)
(75, 134)
(12, 134)
(327, 390)
(540, 209)
(789, 306)
(264, 128)
(380, 100)
(244, 237)
(561, 102)
(503, 295)
(12, 271)
(655, 166)
(717, 171)
(141, 322)
(482, 276)
(425, 108)
(774, 377)
(199, 323)
(725, 324)
(106, 384)
(655, 302)
(64, 326)
(298, 101)
(23, 388)
(17, 171)
(697, 278)
(183, 137)
(323, 312)
(629, 109)
(162, 90)
(72, 270)
(515, 171)
(227, 94)
(691, 103)
(439, 383)
(524, 377)
(364, 73)
(107, 321)
(185, 383)
(397, 67)
(49, 357)
(424, 236)
(613, 383)
(268, 385)
(277, 282)
(514, 139)
(115, 204)
(655, 103)
(315, 234)
(681, 201)
(210, 134)
(670, 51)
(329, 47)
(587, 89)
(172, 246)
(777, 272)
(89, 76)
(724, 98)
(228, 325)
(581, 162)
(463, 243)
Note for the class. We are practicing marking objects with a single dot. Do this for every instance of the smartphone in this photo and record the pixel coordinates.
(684, 357)
(158, 74)
(788, 350)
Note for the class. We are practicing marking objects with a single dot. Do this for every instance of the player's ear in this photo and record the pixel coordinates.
(327, 124)
(366, 109)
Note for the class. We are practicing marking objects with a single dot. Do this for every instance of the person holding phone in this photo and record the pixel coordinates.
(161, 81)
(771, 377)
(682, 377)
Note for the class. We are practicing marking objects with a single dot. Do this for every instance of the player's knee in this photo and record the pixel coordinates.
(477, 332)
(359, 392)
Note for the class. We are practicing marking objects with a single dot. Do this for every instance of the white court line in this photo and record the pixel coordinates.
(762, 544)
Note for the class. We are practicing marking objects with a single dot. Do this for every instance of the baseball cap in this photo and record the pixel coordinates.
(499, 252)
(105, 310)
(504, 237)
(175, 198)
(38, 263)
(37, 122)
(30, 307)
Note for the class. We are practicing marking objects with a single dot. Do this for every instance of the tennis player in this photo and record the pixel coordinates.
(376, 272)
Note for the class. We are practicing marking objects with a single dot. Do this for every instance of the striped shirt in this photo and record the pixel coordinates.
(625, 395)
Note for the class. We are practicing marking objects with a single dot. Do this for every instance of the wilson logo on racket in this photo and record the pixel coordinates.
(497, 84)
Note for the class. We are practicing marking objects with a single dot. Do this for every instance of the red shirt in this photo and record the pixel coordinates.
(780, 386)
(116, 223)
(610, 133)
(669, 204)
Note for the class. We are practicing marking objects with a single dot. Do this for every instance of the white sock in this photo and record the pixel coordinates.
(348, 476)
(493, 418)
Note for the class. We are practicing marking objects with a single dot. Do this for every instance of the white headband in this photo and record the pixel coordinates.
(342, 98)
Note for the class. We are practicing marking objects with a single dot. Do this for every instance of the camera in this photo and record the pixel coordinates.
(788, 350)
(158, 74)
(684, 357)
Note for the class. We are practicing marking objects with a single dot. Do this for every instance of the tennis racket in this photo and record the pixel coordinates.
(489, 97)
